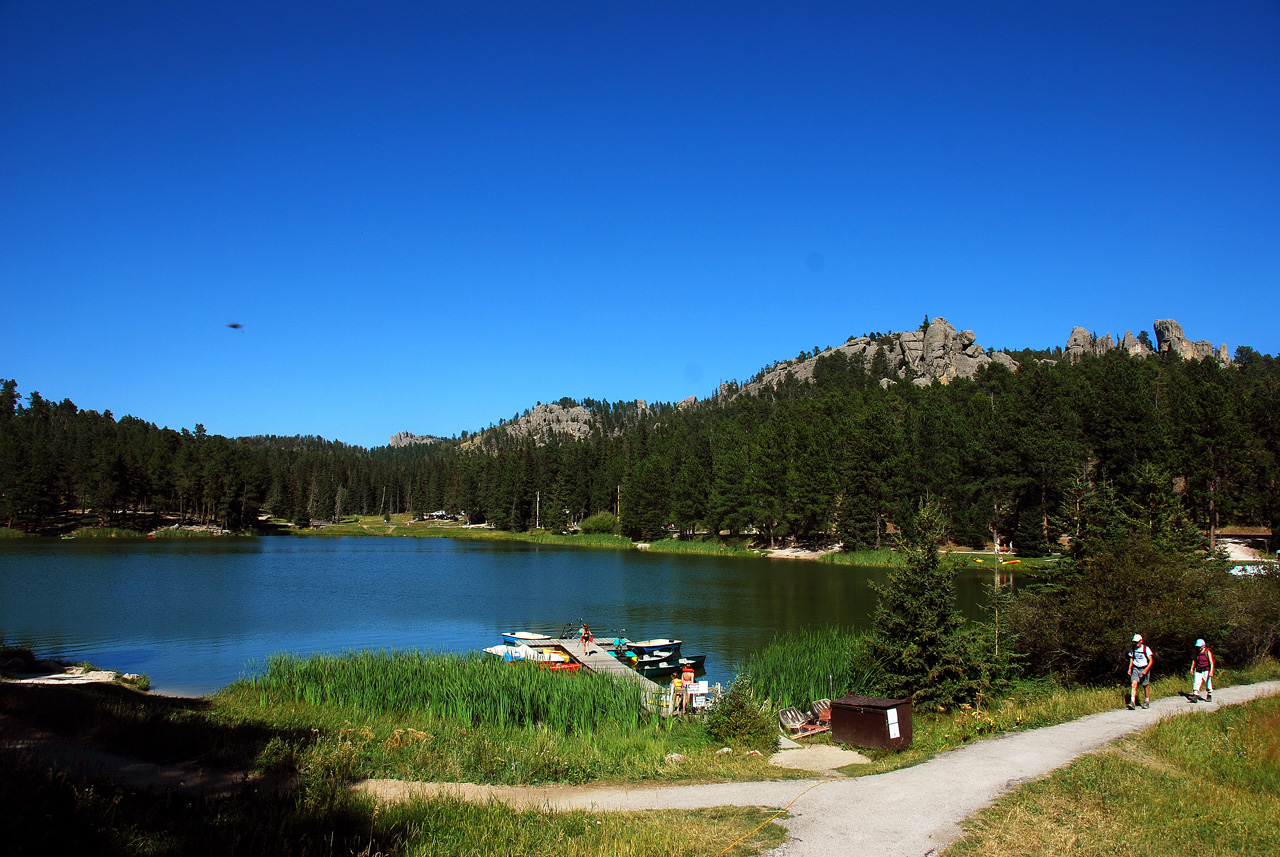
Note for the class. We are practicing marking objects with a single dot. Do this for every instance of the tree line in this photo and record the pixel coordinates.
(1028, 455)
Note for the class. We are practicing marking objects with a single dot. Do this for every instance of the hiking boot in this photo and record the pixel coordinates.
(1209, 698)
(1129, 706)
(1146, 704)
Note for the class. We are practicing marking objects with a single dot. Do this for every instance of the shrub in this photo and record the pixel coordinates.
(1080, 621)
(737, 720)
(602, 522)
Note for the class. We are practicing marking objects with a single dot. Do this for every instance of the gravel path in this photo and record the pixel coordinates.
(912, 812)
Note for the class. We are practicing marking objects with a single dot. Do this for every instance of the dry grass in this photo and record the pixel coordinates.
(1198, 785)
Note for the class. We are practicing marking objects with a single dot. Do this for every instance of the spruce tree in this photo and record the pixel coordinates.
(919, 640)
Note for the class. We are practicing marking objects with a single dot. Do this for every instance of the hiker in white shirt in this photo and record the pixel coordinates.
(1140, 660)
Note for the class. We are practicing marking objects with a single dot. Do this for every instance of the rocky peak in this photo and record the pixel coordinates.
(1081, 343)
(939, 352)
(550, 419)
(1169, 338)
(405, 438)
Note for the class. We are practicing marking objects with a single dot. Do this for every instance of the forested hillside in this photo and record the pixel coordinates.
(1027, 454)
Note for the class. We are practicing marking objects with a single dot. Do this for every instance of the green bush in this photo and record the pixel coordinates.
(1080, 620)
(737, 720)
(602, 522)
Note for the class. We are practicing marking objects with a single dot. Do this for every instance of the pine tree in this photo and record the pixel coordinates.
(919, 639)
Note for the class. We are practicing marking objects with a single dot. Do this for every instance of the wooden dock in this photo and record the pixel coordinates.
(597, 659)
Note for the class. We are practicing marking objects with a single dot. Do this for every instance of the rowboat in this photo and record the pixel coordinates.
(652, 647)
(667, 667)
(516, 638)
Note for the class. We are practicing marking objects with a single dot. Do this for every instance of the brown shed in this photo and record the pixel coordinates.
(867, 721)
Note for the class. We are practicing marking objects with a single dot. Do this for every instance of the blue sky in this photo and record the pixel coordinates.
(429, 216)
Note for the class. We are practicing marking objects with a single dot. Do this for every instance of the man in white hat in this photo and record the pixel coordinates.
(1202, 667)
(1140, 660)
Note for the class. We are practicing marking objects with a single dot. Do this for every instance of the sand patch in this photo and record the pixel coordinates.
(819, 757)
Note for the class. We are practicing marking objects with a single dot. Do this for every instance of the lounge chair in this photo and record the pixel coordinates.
(802, 725)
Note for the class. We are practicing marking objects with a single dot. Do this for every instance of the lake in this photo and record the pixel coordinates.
(195, 614)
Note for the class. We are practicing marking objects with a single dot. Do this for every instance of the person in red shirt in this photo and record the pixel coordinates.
(1202, 669)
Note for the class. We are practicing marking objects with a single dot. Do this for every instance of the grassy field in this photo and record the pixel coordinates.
(49, 813)
(1194, 785)
(312, 726)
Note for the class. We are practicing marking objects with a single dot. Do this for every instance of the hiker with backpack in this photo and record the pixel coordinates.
(1202, 667)
(1140, 659)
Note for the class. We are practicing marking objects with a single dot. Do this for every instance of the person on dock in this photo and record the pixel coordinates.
(1202, 669)
(677, 694)
(1140, 660)
(587, 639)
(686, 684)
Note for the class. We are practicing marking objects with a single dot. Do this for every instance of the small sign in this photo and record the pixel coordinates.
(894, 732)
(699, 687)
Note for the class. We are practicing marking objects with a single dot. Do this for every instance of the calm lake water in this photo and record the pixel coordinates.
(195, 615)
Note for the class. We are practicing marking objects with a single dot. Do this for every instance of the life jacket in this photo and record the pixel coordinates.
(1141, 655)
(1203, 660)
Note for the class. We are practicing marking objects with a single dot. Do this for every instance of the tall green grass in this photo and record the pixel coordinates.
(10, 533)
(470, 690)
(814, 663)
(714, 547)
(178, 533)
(883, 557)
(107, 533)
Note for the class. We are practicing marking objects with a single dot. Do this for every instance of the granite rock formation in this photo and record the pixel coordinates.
(1169, 338)
(1081, 343)
(405, 438)
(939, 352)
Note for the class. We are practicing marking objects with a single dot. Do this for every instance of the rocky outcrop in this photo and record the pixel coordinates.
(405, 438)
(1169, 338)
(544, 421)
(939, 352)
(1081, 343)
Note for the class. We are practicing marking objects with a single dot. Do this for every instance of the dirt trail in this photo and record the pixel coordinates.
(912, 812)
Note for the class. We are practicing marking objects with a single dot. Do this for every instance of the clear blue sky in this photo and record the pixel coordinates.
(429, 216)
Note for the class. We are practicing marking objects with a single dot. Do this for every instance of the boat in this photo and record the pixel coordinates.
(656, 669)
(566, 666)
(543, 655)
(518, 638)
(652, 647)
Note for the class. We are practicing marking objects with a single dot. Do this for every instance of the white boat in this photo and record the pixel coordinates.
(517, 638)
